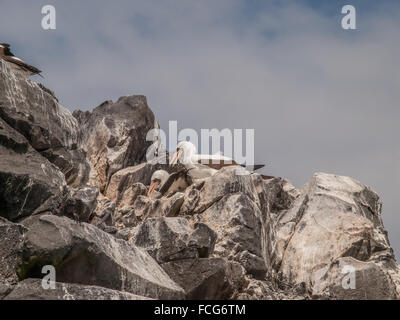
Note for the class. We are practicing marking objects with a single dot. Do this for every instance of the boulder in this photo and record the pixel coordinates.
(127, 179)
(50, 129)
(125, 218)
(11, 243)
(83, 254)
(236, 220)
(334, 217)
(348, 278)
(30, 184)
(229, 180)
(202, 279)
(113, 136)
(31, 289)
(171, 239)
(81, 203)
(104, 212)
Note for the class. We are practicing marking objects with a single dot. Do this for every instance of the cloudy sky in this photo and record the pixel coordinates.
(320, 98)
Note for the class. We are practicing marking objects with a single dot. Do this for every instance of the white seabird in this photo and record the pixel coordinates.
(15, 63)
(157, 180)
(200, 164)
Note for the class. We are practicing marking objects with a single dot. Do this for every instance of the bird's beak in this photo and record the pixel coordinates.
(153, 186)
(175, 158)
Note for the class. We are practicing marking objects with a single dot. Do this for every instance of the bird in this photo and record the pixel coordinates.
(186, 154)
(17, 64)
(167, 183)
(158, 178)
(177, 182)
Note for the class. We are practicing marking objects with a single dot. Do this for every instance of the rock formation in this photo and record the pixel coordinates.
(73, 195)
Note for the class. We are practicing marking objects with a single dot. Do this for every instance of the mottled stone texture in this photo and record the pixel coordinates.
(73, 194)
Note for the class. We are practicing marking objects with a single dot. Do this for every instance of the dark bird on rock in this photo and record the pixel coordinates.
(15, 63)
(167, 183)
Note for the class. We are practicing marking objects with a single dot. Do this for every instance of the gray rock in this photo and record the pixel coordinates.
(83, 254)
(202, 279)
(125, 218)
(81, 203)
(191, 199)
(126, 181)
(144, 207)
(276, 196)
(11, 243)
(347, 278)
(30, 184)
(171, 239)
(236, 220)
(104, 211)
(334, 217)
(31, 289)
(49, 128)
(113, 136)
(227, 181)
(171, 206)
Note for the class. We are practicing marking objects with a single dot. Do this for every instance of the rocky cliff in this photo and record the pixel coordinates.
(73, 195)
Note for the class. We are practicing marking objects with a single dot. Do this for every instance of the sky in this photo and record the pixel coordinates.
(320, 98)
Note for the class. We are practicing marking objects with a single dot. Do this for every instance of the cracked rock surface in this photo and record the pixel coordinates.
(73, 194)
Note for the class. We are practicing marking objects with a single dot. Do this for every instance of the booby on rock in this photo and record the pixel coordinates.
(186, 154)
(15, 63)
(157, 180)
(167, 183)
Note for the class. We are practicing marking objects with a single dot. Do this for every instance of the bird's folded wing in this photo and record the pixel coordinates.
(215, 161)
(21, 64)
(171, 179)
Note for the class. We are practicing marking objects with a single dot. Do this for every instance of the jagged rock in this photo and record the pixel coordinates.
(171, 206)
(81, 203)
(125, 218)
(83, 254)
(11, 241)
(31, 289)
(72, 163)
(335, 281)
(334, 217)
(191, 198)
(145, 207)
(238, 235)
(48, 127)
(227, 181)
(124, 233)
(268, 290)
(276, 195)
(171, 239)
(127, 179)
(202, 279)
(104, 211)
(236, 220)
(113, 136)
(30, 184)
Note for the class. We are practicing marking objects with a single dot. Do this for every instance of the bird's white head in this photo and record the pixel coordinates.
(184, 153)
(158, 178)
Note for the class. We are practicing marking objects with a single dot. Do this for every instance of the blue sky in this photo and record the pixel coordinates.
(319, 98)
